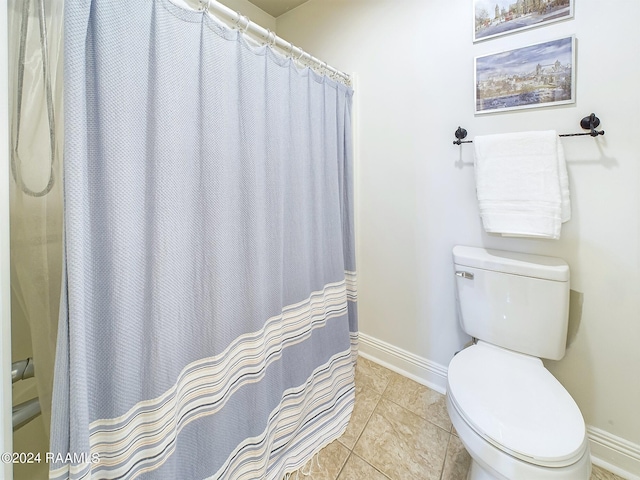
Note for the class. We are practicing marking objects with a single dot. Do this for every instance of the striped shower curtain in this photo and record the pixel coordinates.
(208, 322)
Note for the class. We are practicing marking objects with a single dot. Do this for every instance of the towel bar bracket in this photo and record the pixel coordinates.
(460, 134)
(591, 122)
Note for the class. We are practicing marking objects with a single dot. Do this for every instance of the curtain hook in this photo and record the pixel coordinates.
(246, 27)
(291, 47)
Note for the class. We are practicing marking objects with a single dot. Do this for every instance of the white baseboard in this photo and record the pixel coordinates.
(613, 453)
(423, 371)
(608, 451)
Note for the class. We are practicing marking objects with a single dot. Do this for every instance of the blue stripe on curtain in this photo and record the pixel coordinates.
(208, 323)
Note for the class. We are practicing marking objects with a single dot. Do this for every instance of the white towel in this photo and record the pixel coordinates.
(522, 184)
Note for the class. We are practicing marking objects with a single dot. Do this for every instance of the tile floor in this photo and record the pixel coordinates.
(399, 430)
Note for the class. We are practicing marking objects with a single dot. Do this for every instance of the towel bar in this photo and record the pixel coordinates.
(25, 412)
(22, 369)
(590, 122)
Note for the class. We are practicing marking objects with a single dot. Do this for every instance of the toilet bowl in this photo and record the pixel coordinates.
(514, 418)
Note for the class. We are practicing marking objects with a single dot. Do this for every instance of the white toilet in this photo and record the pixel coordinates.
(514, 418)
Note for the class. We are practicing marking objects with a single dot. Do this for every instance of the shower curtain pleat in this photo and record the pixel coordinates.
(208, 324)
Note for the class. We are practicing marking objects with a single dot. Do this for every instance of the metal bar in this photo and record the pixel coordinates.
(24, 412)
(590, 123)
(595, 133)
(22, 369)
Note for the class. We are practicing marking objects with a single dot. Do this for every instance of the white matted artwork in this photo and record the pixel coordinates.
(538, 75)
(500, 17)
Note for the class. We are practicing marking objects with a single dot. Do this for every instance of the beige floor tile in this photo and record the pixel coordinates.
(358, 469)
(366, 401)
(401, 444)
(401, 431)
(325, 466)
(371, 375)
(418, 399)
(457, 461)
(598, 473)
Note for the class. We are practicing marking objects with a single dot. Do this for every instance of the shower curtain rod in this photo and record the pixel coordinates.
(243, 23)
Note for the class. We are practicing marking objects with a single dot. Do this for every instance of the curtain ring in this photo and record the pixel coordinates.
(301, 55)
(237, 22)
(269, 41)
(291, 47)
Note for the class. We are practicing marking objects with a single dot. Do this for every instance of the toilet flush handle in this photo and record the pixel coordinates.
(467, 275)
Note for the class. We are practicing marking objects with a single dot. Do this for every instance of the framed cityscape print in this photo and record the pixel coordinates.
(499, 17)
(538, 75)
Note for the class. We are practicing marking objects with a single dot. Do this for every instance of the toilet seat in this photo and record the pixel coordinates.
(514, 403)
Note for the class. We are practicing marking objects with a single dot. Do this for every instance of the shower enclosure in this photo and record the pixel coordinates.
(34, 76)
(266, 356)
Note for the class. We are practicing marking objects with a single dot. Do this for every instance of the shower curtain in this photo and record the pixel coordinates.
(208, 320)
(35, 194)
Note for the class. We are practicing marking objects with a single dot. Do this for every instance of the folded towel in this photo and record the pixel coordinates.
(522, 184)
(564, 183)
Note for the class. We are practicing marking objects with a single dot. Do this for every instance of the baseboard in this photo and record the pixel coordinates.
(608, 451)
(613, 453)
(423, 371)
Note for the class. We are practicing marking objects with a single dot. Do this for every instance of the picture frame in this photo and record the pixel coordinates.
(537, 75)
(493, 18)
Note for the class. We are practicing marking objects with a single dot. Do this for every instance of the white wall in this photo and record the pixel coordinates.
(414, 65)
(254, 13)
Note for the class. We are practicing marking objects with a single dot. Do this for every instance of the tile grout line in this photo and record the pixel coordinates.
(448, 432)
(415, 413)
(419, 416)
(411, 411)
(366, 423)
(376, 469)
(444, 460)
(351, 452)
(343, 465)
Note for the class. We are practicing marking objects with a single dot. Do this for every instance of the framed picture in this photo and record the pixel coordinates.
(538, 75)
(499, 17)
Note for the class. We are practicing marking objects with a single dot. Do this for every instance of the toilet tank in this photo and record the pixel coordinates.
(514, 300)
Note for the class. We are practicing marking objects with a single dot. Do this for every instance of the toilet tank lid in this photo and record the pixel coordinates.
(524, 264)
